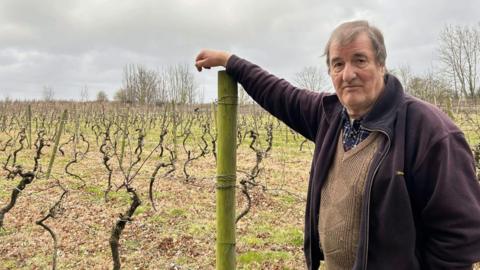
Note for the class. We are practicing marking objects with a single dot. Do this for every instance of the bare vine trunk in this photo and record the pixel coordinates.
(120, 225)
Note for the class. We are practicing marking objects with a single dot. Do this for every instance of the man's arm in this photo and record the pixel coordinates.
(299, 109)
(451, 214)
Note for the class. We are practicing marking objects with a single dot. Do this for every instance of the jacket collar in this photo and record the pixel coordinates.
(382, 115)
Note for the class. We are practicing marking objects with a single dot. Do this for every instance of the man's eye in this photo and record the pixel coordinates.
(361, 61)
(337, 66)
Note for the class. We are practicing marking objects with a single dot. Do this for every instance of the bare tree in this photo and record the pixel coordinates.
(310, 78)
(161, 94)
(460, 54)
(405, 75)
(121, 96)
(430, 87)
(48, 93)
(140, 84)
(181, 84)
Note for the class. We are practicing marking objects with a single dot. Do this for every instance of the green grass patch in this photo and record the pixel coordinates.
(282, 236)
(288, 236)
(156, 219)
(472, 137)
(120, 196)
(252, 240)
(5, 192)
(9, 264)
(288, 199)
(142, 209)
(96, 191)
(5, 231)
(258, 257)
(177, 212)
(202, 229)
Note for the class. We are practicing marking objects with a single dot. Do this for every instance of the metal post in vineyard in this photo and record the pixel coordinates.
(226, 171)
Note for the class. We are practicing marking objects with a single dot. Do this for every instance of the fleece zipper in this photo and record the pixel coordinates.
(368, 194)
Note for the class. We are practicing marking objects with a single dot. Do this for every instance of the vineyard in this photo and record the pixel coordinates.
(96, 185)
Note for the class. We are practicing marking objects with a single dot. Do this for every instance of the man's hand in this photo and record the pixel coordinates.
(210, 58)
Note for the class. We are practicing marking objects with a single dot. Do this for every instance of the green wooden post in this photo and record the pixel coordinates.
(174, 127)
(29, 126)
(58, 134)
(226, 171)
(76, 136)
(124, 138)
(214, 114)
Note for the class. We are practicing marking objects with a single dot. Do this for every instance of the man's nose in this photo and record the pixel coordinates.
(349, 73)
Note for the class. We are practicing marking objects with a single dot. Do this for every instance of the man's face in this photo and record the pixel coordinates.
(356, 75)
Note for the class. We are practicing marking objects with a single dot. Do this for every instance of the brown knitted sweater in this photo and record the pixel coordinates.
(341, 200)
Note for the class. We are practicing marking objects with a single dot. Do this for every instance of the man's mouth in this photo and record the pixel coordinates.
(351, 87)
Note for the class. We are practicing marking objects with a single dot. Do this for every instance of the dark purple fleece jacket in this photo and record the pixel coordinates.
(421, 205)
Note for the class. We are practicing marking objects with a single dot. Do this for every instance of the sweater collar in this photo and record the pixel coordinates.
(382, 115)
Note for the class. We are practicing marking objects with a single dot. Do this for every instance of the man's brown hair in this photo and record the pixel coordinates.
(346, 32)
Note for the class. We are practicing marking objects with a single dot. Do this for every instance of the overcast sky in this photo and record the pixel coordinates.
(70, 44)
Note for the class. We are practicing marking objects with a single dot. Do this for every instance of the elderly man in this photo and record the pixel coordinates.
(392, 183)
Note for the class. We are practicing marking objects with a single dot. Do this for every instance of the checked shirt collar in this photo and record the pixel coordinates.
(353, 133)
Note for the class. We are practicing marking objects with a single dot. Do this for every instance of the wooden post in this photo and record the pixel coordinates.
(174, 127)
(76, 136)
(226, 171)
(214, 114)
(58, 134)
(124, 137)
(29, 126)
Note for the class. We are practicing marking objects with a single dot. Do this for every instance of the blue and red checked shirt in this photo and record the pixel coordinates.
(353, 132)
